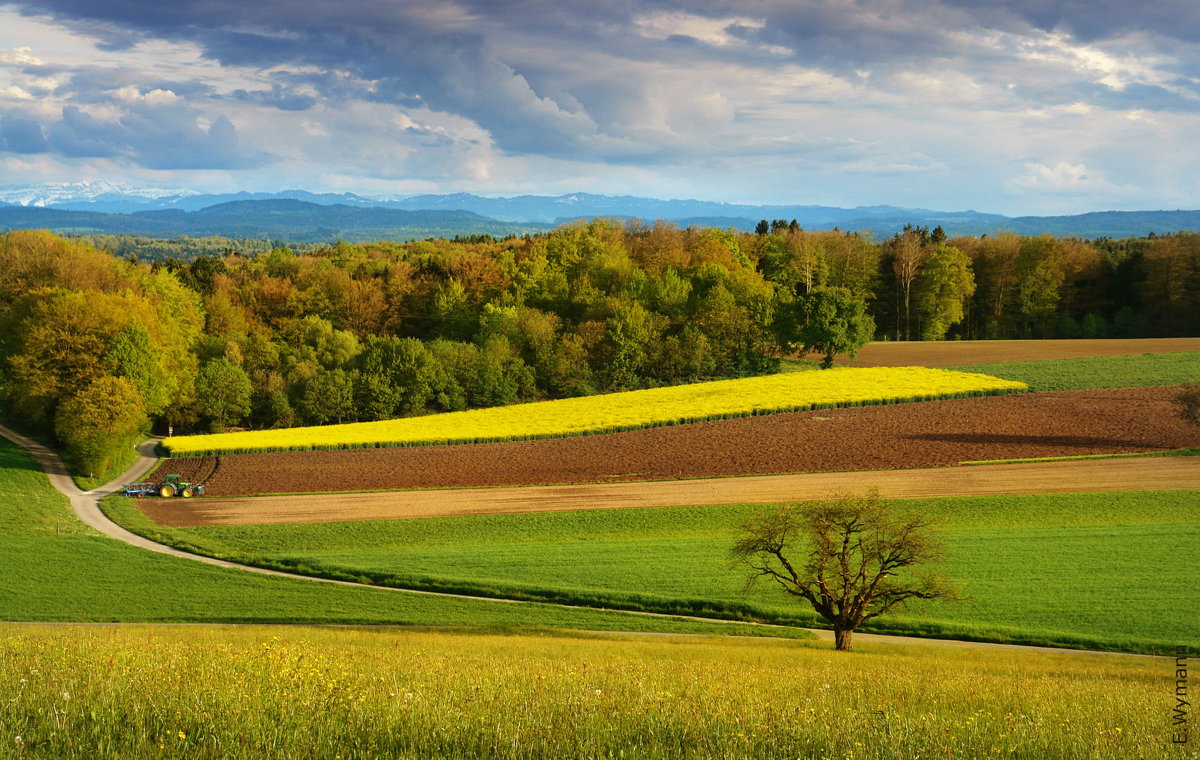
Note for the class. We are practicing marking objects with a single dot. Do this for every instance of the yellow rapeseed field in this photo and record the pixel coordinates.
(619, 411)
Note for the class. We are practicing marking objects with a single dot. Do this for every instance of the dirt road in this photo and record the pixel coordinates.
(1149, 473)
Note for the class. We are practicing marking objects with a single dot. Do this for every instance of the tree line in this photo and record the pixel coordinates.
(94, 348)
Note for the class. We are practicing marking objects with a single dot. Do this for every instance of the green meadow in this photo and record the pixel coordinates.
(1138, 371)
(1089, 570)
(54, 568)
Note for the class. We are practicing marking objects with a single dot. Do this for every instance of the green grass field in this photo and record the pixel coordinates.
(1093, 570)
(1140, 371)
(103, 693)
(1136, 371)
(53, 568)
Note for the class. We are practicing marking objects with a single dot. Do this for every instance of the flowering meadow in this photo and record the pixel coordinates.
(614, 412)
(225, 692)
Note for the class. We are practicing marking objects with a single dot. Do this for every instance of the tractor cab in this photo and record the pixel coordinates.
(173, 485)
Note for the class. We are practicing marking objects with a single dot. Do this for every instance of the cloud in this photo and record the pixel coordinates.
(155, 129)
(1066, 180)
(1061, 176)
(22, 56)
(871, 101)
(21, 135)
(78, 135)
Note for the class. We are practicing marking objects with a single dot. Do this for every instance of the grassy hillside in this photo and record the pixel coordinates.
(234, 693)
(52, 567)
(1082, 569)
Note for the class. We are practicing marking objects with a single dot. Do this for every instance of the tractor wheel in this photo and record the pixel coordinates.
(166, 490)
(187, 493)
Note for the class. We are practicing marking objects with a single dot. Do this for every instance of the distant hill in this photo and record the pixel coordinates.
(286, 220)
(301, 216)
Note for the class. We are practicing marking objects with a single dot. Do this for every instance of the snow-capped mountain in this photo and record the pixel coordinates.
(88, 192)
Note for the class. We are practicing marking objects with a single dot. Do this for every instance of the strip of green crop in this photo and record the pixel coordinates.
(1140, 371)
(1053, 569)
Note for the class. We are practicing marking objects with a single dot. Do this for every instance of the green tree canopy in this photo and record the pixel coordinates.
(223, 392)
(829, 321)
(95, 422)
(943, 289)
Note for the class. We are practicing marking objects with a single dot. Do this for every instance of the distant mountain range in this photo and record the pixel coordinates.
(281, 220)
(301, 216)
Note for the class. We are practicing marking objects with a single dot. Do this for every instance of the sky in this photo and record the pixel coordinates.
(1008, 106)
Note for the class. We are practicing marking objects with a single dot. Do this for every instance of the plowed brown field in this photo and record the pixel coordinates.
(955, 352)
(1150, 473)
(925, 434)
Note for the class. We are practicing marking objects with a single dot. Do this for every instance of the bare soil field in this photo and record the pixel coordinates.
(952, 353)
(1150, 473)
(928, 434)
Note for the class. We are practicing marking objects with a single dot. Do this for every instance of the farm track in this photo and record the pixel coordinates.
(1089, 475)
(912, 435)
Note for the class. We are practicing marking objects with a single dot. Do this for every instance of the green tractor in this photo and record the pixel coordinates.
(171, 485)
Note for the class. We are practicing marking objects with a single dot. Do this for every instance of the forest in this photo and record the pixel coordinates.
(96, 349)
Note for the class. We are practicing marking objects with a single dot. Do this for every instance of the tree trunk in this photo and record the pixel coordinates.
(843, 639)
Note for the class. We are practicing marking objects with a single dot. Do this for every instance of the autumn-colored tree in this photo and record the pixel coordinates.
(61, 338)
(95, 422)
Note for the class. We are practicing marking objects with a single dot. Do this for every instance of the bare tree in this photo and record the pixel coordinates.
(852, 558)
(908, 256)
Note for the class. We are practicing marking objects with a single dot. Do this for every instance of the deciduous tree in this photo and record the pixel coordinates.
(95, 422)
(223, 392)
(830, 321)
(945, 285)
(852, 558)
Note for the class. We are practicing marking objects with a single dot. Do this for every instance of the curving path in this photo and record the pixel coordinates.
(86, 505)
